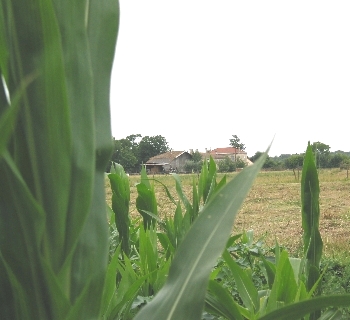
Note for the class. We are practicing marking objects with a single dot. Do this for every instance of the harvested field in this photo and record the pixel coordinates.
(272, 208)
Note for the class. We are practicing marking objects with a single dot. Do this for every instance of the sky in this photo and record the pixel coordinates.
(197, 72)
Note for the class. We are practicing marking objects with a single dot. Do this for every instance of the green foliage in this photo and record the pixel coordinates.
(192, 166)
(200, 249)
(135, 150)
(146, 200)
(269, 163)
(195, 164)
(175, 228)
(319, 147)
(236, 143)
(240, 163)
(197, 156)
(55, 66)
(323, 157)
(321, 153)
(150, 147)
(256, 156)
(227, 165)
(244, 283)
(294, 161)
(120, 204)
(310, 210)
(54, 148)
(125, 153)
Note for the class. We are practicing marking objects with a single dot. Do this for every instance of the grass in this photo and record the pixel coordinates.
(272, 208)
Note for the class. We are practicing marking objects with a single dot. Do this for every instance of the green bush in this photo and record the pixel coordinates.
(227, 165)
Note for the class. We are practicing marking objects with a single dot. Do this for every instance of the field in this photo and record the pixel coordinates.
(272, 208)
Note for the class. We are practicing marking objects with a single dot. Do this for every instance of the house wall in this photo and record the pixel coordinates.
(180, 161)
(241, 156)
(155, 169)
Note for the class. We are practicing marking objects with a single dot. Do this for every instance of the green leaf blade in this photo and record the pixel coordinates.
(183, 294)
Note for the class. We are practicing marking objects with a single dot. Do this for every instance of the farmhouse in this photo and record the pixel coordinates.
(219, 154)
(172, 161)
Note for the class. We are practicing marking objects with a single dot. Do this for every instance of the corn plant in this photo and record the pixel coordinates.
(189, 283)
(290, 280)
(55, 62)
(310, 212)
(174, 228)
(183, 295)
(120, 204)
(146, 200)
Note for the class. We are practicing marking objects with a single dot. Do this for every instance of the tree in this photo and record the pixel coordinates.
(295, 161)
(240, 163)
(256, 156)
(134, 144)
(192, 166)
(335, 160)
(320, 147)
(321, 152)
(124, 154)
(268, 164)
(236, 143)
(150, 147)
(132, 151)
(345, 164)
(196, 156)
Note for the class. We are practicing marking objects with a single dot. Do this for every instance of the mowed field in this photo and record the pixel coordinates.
(273, 208)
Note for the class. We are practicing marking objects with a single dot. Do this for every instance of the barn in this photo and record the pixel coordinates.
(171, 161)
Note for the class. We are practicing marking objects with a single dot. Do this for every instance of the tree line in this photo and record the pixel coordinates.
(324, 158)
(134, 150)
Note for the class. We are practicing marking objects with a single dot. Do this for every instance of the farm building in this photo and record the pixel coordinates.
(231, 152)
(172, 161)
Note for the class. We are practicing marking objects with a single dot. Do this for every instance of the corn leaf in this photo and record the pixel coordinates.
(310, 211)
(284, 288)
(120, 204)
(219, 302)
(109, 290)
(303, 308)
(245, 285)
(310, 191)
(52, 192)
(270, 270)
(146, 201)
(183, 295)
(181, 194)
(207, 180)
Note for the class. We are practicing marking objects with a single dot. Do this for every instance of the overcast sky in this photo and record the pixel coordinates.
(198, 72)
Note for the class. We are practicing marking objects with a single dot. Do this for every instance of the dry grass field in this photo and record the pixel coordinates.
(272, 208)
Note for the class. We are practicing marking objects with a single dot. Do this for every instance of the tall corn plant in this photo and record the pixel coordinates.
(310, 211)
(55, 62)
(146, 200)
(120, 204)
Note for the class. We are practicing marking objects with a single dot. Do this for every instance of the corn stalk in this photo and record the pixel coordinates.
(56, 59)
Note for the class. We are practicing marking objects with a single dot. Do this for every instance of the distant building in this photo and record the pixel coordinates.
(172, 161)
(231, 152)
